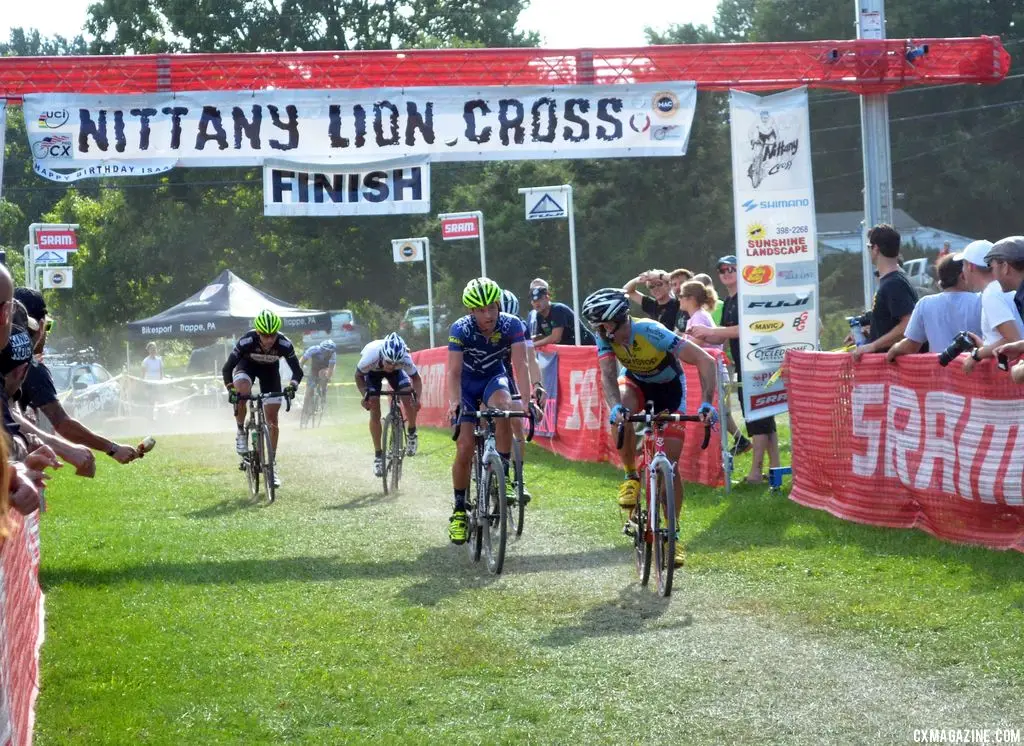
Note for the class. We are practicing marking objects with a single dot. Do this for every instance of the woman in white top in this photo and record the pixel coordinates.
(152, 366)
(698, 301)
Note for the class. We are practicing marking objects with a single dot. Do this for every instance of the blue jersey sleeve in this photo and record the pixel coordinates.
(334, 359)
(308, 354)
(458, 335)
(515, 331)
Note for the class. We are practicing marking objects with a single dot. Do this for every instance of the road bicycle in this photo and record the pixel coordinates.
(517, 500)
(259, 461)
(313, 414)
(392, 437)
(487, 503)
(653, 524)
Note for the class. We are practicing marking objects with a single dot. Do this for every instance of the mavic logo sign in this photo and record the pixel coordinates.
(546, 204)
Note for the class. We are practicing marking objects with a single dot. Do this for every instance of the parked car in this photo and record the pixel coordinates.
(918, 271)
(94, 393)
(348, 334)
(417, 319)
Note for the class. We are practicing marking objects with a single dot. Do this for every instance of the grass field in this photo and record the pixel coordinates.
(179, 612)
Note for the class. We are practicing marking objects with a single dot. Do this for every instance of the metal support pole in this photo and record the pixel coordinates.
(430, 287)
(572, 263)
(483, 246)
(723, 409)
(874, 125)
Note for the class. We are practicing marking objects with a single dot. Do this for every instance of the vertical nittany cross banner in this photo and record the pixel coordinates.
(776, 239)
(3, 138)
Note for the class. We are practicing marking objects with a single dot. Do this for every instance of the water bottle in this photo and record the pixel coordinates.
(855, 329)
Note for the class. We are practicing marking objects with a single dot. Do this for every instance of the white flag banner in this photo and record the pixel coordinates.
(776, 239)
(394, 187)
(408, 249)
(243, 128)
(3, 140)
(103, 169)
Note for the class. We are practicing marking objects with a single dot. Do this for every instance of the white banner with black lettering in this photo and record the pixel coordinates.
(776, 239)
(219, 128)
(392, 187)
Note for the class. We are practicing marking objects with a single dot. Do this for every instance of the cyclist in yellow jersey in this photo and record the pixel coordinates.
(652, 356)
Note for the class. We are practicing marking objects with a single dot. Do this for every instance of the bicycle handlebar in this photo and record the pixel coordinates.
(647, 417)
(389, 392)
(269, 395)
(494, 414)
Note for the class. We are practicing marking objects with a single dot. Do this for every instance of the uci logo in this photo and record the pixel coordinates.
(51, 120)
(760, 274)
(665, 103)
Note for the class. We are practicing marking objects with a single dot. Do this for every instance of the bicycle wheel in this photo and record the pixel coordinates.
(494, 514)
(252, 466)
(516, 503)
(267, 460)
(642, 540)
(474, 534)
(385, 439)
(664, 507)
(321, 406)
(394, 460)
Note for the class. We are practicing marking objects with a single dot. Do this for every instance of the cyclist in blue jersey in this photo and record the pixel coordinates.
(652, 356)
(477, 374)
(322, 358)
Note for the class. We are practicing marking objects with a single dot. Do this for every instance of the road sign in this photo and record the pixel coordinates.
(57, 277)
(407, 249)
(467, 226)
(62, 239)
(546, 205)
(47, 256)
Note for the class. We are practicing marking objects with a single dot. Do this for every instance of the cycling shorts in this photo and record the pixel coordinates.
(268, 375)
(669, 396)
(478, 390)
(398, 379)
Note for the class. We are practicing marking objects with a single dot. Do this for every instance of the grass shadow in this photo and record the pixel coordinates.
(225, 508)
(636, 610)
(366, 500)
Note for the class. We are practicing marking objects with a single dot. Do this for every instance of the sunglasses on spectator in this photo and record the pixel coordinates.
(726, 270)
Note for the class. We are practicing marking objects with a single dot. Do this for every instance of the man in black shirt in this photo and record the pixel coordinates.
(659, 305)
(895, 298)
(555, 322)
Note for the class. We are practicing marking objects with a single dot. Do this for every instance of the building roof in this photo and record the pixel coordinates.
(849, 222)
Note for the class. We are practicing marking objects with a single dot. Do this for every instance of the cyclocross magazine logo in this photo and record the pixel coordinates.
(793, 274)
(56, 147)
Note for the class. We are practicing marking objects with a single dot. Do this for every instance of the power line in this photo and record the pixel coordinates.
(932, 115)
(919, 89)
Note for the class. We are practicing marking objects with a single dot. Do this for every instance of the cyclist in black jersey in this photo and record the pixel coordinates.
(256, 356)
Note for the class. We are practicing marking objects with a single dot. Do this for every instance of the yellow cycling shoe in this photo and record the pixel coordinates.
(680, 555)
(629, 491)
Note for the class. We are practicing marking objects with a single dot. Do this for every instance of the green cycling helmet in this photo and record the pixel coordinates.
(480, 293)
(267, 322)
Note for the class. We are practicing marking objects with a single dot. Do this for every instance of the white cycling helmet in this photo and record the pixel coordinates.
(328, 345)
(509, 302)
(393, 350)
(606, 304)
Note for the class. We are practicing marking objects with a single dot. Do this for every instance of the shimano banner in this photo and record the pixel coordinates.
(387, 188)
(776, 239)
(214, 128)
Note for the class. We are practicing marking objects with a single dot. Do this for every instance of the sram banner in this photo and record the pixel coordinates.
(775, 240)
(392, 187)
(60, 239)
(320, 126)
(910, 445)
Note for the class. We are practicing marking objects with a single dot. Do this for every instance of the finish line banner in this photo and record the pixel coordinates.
(396, 187)
(321, 126)
(909, 445)
(776, 239)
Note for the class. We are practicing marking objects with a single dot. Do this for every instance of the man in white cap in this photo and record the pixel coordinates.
(1000, 321)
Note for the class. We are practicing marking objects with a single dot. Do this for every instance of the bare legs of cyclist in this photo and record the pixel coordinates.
(243, 385)
(372, 405)
(410, 408)
(629, 490)
(464, 447)
(520, 437)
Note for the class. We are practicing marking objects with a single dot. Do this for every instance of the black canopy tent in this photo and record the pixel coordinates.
(224, 308)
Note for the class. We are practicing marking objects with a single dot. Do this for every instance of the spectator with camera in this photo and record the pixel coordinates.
(660, 305)
(1000, 321)
(937, 320)
(895, 298)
